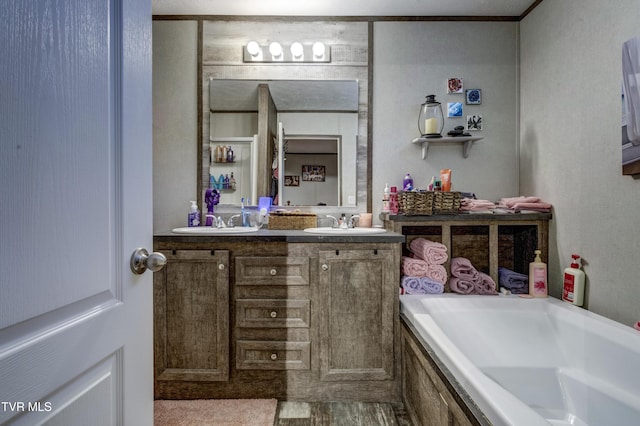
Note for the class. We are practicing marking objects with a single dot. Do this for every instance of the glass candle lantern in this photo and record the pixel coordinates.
(431, 118)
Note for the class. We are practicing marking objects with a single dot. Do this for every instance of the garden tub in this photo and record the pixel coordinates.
(528, 362)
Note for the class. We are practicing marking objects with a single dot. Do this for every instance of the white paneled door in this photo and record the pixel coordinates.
(75, 202)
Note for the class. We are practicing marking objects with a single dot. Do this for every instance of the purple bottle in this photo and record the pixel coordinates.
(407, 183)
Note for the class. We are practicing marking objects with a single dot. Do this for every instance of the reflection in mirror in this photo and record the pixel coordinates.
(320, 122)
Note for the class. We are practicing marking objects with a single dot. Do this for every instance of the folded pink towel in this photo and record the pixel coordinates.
(510, 202)
(414, 267)
(540, 206)
(462, 285)
(437, 273)
(433, 252)
(461, 267)
(484, 284)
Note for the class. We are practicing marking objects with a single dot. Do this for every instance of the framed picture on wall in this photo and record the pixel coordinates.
(454, 109)
(313, 173)
(473, 96)
(631, 107)
(291, 180)
(474, 122)
(454, 85)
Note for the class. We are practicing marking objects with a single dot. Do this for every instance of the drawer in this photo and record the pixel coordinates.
(259, 355)
(272, 270)
(272, 313)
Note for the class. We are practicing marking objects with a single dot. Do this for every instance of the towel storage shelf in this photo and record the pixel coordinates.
(487, 240)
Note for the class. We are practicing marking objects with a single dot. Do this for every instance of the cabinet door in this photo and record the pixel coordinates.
(358, 293)
(191, 316)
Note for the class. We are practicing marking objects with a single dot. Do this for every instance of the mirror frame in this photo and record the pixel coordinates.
(334, 30)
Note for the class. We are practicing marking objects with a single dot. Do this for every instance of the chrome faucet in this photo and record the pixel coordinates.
(351, 220)
(230, 223)
(335, 224)
(220, 222)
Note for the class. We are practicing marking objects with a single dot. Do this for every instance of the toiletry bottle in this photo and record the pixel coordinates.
(538, 277)
(431, 185)
(393, 201)
(193, 219)
(232, 182)
(407, 182)
(229, 154)
(226, 182)
(385, 198)
(573, 288)
(221, 182)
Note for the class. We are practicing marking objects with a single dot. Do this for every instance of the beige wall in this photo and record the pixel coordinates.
(570, 151)
(414, 59)
(175, 123)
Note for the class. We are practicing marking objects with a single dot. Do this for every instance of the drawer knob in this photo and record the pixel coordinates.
(274, 314)
(221, 266)
(325, 267)
(273, 271)
(274, 356)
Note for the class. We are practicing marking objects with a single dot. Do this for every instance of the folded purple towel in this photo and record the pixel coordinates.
(461, 267)
(462, 285)
(484, 284)
(421, 285)
(517, 283)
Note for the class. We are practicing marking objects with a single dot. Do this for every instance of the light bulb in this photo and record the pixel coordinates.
(253, 48)
(297, 50)
(275, 49)
(318, 49)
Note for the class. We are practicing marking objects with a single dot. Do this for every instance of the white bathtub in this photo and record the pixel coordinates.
(529, 362)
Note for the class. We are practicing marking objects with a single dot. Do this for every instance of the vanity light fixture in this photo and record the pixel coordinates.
(295, 52)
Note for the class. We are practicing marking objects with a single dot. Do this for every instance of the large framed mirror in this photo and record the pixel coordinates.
(224, 69)
(313, 160)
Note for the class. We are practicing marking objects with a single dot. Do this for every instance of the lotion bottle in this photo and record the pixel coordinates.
(386, 195)
(573, 288)
(538, 277)
(193, 219)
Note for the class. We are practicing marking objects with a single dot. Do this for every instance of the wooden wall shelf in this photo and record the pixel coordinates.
(467, 141)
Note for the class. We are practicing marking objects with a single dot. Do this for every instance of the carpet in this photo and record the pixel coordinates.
(215, 412)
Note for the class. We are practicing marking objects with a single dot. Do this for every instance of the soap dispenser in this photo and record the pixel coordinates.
(573, 287)
(193, 219)
(538, 277)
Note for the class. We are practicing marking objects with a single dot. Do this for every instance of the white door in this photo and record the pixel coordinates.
(75, 201)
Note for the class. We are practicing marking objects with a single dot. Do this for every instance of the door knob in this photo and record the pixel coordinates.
(141, 260)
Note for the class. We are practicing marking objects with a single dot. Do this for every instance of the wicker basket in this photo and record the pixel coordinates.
(292, 220)
(414, 203)
(446, 202)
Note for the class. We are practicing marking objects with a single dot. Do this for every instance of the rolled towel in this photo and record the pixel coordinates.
(485, 284)
(461, 267)
(462, 285)
(510, 202)
(414, 267)
(433, 252)
(421, 285)
(517, 283)
(437, 273)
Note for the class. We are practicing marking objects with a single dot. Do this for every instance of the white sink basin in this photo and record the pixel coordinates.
(209, 230)
(342, 231)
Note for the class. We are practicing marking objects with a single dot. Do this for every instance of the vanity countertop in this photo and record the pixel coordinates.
(289, 236)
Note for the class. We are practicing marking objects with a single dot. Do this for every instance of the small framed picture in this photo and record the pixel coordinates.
(474, 122)
(454, 109)
(473, 96)
(291, 180)
(454, 85)
(313, 173)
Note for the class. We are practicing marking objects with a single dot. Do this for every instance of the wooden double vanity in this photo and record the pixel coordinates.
(278, 314)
